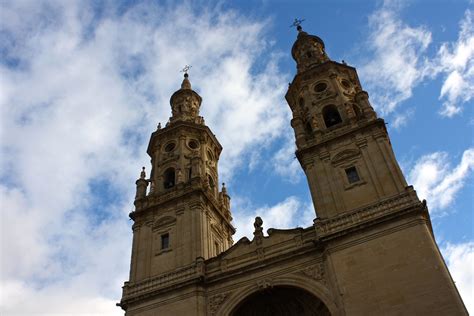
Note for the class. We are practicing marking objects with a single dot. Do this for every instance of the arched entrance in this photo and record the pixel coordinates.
(279, 301)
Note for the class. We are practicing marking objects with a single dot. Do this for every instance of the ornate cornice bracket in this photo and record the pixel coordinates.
(215, 302)
(315, 272)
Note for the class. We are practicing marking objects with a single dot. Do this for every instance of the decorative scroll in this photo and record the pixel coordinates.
(164, 221)
(216, 301)
(264, 284)
(315, 272)
(345, 155)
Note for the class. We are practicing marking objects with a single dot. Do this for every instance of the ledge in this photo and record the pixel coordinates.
(136, 291)
(370, 214)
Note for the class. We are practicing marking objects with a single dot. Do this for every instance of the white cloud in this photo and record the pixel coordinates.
(80, 93)
(402, 118)
(456, 62)
(436, 181)
(397, 65)
(401, 62)
(289, 213)
(460, 260)
(284, 161)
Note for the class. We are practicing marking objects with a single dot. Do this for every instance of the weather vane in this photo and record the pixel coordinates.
(297, 23)
(186, 69)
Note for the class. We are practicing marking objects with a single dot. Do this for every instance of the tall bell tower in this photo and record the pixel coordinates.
(375, 232)
(342, 146)
(181, 217)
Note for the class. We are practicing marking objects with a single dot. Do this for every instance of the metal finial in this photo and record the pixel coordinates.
(185, 70)
(297, 23)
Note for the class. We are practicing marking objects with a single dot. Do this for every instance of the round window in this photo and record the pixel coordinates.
(170, 147)
(193, 144)
(320, 87)
(345, 83)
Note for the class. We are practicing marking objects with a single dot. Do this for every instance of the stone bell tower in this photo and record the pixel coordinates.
(342, 146)
(181, 218)
(376, 234)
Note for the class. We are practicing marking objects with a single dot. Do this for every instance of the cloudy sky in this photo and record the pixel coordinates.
(84, 83)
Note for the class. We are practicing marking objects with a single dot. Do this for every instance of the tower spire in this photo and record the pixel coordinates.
(308, 50)
(185, 102)
(186, 84)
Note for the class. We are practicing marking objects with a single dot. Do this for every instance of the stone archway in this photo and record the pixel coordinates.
(279, 301)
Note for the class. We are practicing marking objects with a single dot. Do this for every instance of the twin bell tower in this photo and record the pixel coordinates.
(371, 248)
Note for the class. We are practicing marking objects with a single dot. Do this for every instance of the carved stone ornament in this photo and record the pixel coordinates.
(315, 272)
(216, 301)
(345, 155)
(258, 233)
(264, 284)
(164, 221)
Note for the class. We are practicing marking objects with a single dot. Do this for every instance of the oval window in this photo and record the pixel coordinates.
(193, 144)
(345, 83)
(170, 147)
(320, 87)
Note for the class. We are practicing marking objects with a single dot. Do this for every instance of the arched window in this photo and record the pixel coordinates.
(331, 116)
(169, 178)
(301, 102)
(357, 111)
(190, 173)
(211, 182)
(210, 156)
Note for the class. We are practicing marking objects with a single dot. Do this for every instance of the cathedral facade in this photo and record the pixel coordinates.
(370, 251)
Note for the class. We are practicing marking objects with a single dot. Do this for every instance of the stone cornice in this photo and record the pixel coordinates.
(154, 200)
(341, 131)
(176, 126)
(133, 292)
(370, 215)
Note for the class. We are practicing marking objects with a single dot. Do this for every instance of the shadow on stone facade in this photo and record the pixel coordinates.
(279, 301)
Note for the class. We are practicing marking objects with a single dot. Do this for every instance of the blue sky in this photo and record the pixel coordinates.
(83, 85)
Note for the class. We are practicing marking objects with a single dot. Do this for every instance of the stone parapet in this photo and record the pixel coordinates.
(157, 198)
(147, 287)
(346, 222)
